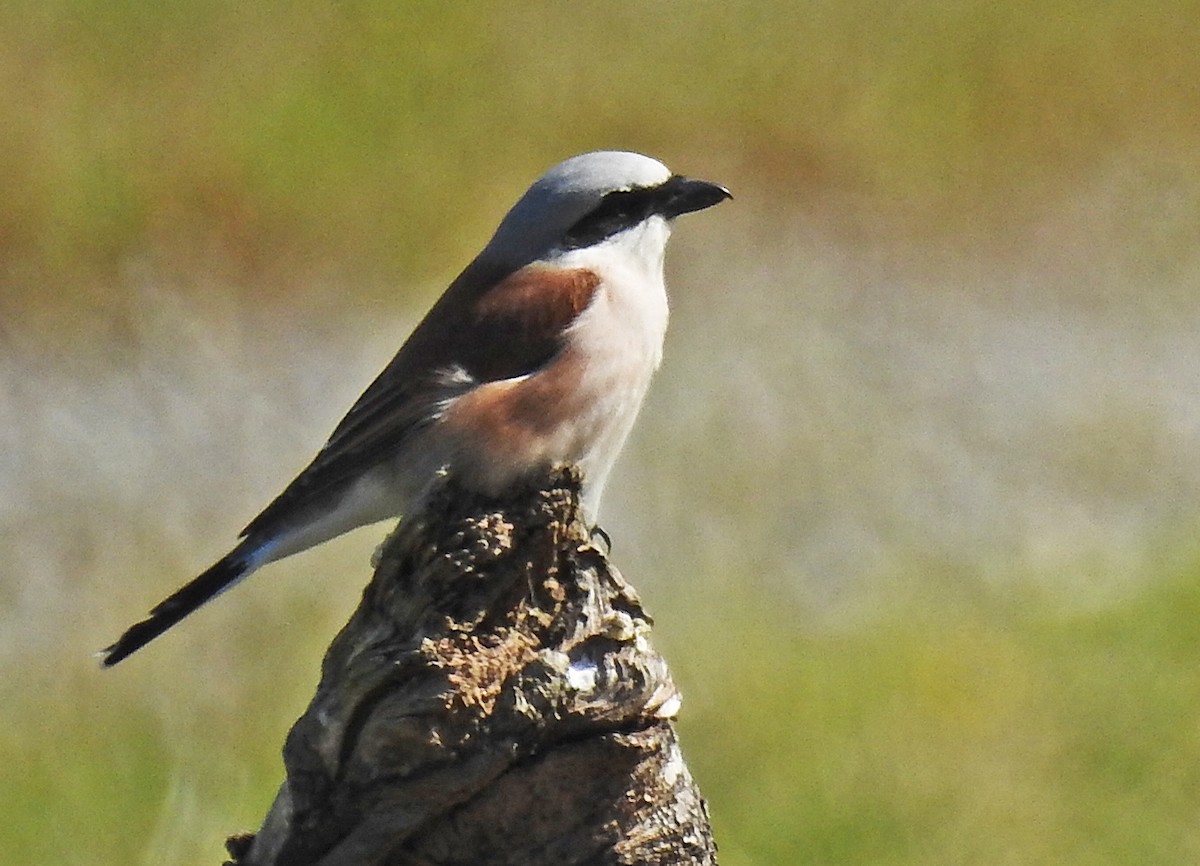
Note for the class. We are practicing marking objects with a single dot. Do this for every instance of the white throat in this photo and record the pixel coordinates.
(630, 266)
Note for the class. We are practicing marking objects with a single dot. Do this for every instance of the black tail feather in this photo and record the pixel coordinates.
(220, 577)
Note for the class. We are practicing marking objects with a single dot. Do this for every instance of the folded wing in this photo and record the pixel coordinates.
(515, 325)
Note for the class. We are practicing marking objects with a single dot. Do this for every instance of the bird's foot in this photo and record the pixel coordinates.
(599, 533)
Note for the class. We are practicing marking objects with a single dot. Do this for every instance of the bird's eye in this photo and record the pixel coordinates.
(616, 212)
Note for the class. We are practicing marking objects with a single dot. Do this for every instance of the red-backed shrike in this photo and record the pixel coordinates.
(539, 353)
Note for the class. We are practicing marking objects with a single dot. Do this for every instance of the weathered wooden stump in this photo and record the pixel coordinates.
(493, 700)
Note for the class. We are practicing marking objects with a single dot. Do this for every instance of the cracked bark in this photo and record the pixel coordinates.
(494, 700)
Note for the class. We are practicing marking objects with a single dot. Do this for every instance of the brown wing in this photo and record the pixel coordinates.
(487, 326)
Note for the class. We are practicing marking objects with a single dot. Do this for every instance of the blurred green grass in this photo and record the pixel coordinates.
(251, 149)
(380, 138)
(956, 726)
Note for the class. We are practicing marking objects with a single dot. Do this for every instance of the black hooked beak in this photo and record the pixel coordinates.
(682, 195)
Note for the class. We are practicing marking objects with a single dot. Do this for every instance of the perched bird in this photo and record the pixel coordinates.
(540, 352)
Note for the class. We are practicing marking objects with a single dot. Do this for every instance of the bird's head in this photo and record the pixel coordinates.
(592, 197)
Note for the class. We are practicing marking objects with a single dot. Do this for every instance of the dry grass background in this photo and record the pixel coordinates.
(914, 496)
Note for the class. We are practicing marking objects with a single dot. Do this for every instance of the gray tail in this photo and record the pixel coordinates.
(220, 577)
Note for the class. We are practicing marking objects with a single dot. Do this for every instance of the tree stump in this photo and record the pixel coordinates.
(494, 700)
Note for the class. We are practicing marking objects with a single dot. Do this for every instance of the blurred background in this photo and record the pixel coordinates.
(913, 499)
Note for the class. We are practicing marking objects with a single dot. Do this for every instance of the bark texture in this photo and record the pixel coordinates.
(494, 700)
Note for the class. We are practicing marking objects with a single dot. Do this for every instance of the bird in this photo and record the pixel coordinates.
(539, 353)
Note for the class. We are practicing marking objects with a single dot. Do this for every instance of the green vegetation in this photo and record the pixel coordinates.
(948, 729)
(375, 137)
(951, 730)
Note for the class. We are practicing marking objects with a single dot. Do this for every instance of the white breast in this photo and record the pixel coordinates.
(620, 341)
(580, 406)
